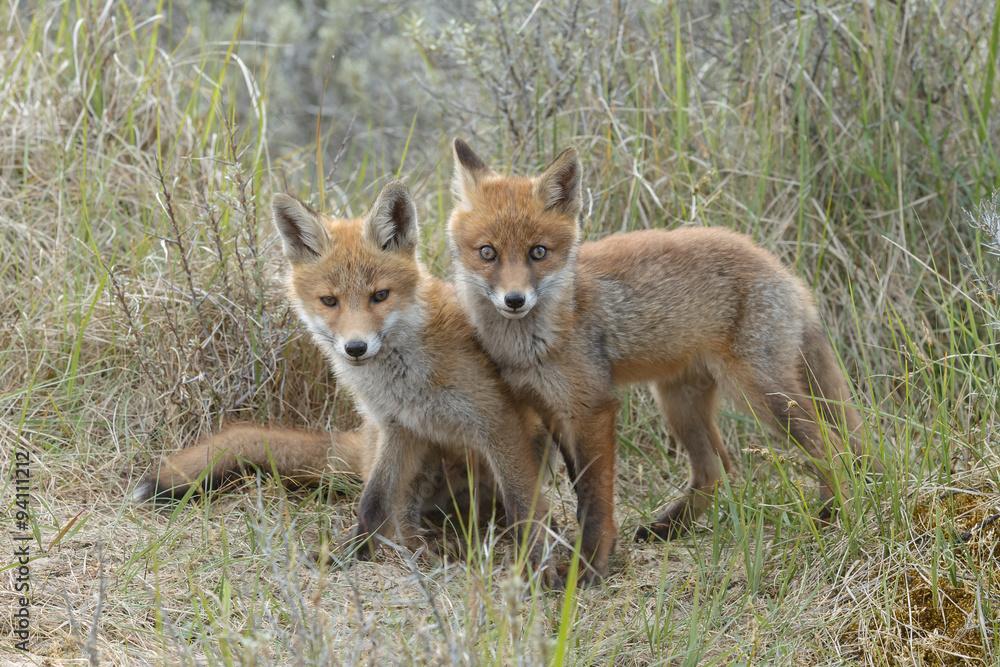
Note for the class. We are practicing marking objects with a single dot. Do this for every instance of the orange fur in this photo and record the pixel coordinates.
(299, 457)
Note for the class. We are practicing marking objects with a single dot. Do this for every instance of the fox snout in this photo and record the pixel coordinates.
(358, 349)
(355, 348)
(514, 300)
(516, 303)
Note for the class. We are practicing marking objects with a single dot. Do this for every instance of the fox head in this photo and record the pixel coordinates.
(353, 282)
(514, 239)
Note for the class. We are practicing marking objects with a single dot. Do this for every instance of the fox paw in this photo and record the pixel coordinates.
(585, 578)
(664, 531)
(425, 547)
(553, 579)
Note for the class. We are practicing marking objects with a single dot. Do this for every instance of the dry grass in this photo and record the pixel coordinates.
(141, 306)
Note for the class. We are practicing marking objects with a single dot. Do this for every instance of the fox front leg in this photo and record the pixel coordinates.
(384, 498)
(593, 453)
(518, 470)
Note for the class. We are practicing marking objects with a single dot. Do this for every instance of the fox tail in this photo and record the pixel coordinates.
(299, 457)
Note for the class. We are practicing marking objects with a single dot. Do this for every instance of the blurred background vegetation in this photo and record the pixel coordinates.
(846, 137)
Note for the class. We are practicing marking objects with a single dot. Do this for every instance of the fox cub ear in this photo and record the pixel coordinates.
(302, 233)
(469, 168)
(560, 186)
(391, 223)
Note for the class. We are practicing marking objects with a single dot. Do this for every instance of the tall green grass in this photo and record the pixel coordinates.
(142, 306)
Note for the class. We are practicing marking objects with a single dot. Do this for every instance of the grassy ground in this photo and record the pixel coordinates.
(140, 305)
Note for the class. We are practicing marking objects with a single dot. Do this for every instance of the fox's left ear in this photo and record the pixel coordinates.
(560, 187)
(391, 223)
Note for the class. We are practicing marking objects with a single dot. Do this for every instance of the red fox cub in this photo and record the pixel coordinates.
(398, 340)
(691, 312)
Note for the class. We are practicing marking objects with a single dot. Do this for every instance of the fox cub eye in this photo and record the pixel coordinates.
(380, 296)
(487, 253)
(539, 252)
(328, 301)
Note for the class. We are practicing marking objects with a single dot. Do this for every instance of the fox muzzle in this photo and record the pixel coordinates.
(356, 348)
(514, 300)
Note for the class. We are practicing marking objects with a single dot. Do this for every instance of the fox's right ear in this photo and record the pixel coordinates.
(302, 232)
(469, 168)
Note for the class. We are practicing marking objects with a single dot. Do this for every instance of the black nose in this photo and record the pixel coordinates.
(514, 300)
(355, 348)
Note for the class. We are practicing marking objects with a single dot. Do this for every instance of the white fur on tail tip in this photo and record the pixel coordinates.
(142, 491)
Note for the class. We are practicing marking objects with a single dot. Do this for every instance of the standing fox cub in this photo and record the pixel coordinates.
(399, 341)
(689, 312)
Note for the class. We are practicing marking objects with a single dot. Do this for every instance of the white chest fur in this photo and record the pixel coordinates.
(395, 387)
(523, 350)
